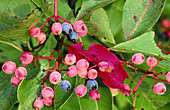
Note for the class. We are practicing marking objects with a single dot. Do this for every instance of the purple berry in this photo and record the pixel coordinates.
(26, 58)
(9, 67)
(15, 81)
(126, 91)
(82, 73)
(47, 93)
(84, 32)
(55, 77)
(34, 31)
(159, 88)
(138, 58)
(151, 61)
(67, 28)
(81, 90)
(73, 36)
(168, 76)
(92, 84)
(21, 73)
(56, 28)
(92, 74)
(94, 94)
(82, 64)
(38, 103)
(72, 71)
(70, 59)
(65, 85)
(47, 102)
(105, 67)
(41, 38)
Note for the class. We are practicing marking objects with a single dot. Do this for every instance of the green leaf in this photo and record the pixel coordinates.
(98, 25)
(5, 86)
(133, 10)
(146, 98)
(91, 5)
(143, 44)
(20, 31)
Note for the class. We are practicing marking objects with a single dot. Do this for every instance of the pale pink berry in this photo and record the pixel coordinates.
(47, 93)
(151, 61)
(94, 94)
(84, 32)
(92, 74)
(26, 58)
(55, 77)
(34, 31)
(105, 67)
(72, 71)
(81, 90)
(56, 28)
(159, 88)
(47, 102)
(82, 73)
(9, 67)
(41, 38)
(21, 73)
(78, 26)
(15, 81)
(82, 64)
(38, 103)
(70, 59)
(138, 58)
(126, 91)
(168, 76)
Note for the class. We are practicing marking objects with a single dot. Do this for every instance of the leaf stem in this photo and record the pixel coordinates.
(139, 83)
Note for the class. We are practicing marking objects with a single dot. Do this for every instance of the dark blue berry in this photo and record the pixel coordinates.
(73, 36)
(92, 84)
(65, 85)
(67, 28)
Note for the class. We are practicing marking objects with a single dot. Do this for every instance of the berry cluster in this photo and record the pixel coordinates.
(165, 32)
(10, 67)
(72, 31)
(138, 58)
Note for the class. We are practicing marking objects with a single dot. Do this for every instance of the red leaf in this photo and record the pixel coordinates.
(98, 53)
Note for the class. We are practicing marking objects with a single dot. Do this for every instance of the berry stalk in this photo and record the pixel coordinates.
(55, 10)
(46, 22)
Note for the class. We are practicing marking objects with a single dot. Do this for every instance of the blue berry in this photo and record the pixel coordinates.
(67, 28)
(73, 36)
(65, 85)
(92, 84)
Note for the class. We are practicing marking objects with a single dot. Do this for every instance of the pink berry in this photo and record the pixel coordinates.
(15, 81)
(78, 26)
(72, 71)
(82, 64)
(9, 67)
(168, 76)
(92, 74)
(105, 67)
(55, 77)
(151, 61)
(159, 88)
(126, 91)
(21, 73)
(168, 33)
(82, 73)
(94, 94)
(26, 58)
(38, 103)
(81, 90)
(41, 38)
(47, 102)
(56, 28)
(138, 58)
(70, 59)
(84, 32)
(165, 23)
(47, 93)
(34, 31)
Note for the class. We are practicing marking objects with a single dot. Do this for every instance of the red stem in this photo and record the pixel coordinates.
(159, 45)
(62, 18)
(46, 21)
(154, 73)
(52, 58)
(55, 10)
(140, 82)
(159, 79)
(49, 73)
(134, 101)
